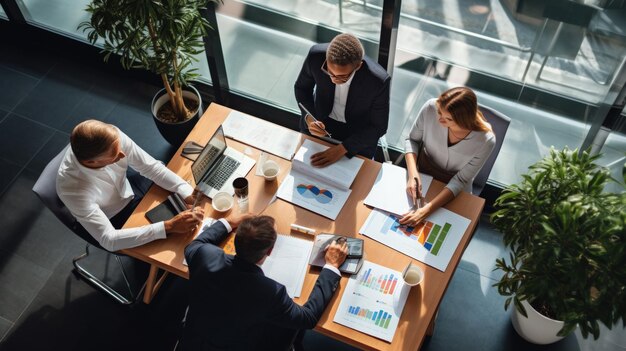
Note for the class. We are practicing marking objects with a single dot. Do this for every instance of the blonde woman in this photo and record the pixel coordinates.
(451, 140)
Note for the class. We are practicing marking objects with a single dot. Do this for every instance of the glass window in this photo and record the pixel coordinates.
(64, 16)
(265, 42)
(547, 71)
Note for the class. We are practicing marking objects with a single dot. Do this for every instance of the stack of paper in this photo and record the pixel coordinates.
(288, 263)
(321, 190)
(261, 134)
(389, 190)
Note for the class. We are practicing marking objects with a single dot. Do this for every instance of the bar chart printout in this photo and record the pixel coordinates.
(373, 301)
(433, 241)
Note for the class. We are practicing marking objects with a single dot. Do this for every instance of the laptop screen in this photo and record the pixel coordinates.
(209, 155)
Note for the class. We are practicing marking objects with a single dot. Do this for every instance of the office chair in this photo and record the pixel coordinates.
(499, 124)
(45, 188)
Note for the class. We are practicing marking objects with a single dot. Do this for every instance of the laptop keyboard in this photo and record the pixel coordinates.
(204, 162)
(224, 171)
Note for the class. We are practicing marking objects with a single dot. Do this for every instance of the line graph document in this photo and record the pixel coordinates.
(288, 263)
(262, 134)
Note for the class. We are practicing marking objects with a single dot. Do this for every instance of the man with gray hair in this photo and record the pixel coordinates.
(348, 94)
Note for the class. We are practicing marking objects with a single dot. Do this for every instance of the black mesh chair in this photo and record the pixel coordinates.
(45, 188)
(499, 124)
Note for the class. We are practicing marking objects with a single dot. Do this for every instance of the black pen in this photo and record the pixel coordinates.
(415, 199)
(314, 119)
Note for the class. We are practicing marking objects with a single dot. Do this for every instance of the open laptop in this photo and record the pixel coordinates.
(218, 165)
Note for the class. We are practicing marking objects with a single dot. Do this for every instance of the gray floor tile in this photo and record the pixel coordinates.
(314, 341)
(8, 172)
(69, 314)
(28, 60)
(5, 326)
(20, 281)
(54, 145)
(105, 94)
(21, 138)
(485, 247)
(14, 87)
(29, 229)
(58, 94)
(134, 118)
(472, 317)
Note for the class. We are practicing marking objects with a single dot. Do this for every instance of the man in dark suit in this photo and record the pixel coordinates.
(233, 306)
(348, 93)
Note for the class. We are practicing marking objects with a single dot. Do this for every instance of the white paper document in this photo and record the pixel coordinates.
(433, 241)
(261, 134)
(340, 173)
(288, 263)
(321, 190)
(389, 190)
(373, 301)
(313, 195)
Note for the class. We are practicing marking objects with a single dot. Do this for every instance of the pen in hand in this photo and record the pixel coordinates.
(416, 202)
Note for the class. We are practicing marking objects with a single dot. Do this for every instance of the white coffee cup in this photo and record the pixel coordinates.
(413, 275)
(222, 201)
(270, 170)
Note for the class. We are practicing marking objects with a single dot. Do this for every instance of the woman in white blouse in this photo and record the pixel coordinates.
(451, 140)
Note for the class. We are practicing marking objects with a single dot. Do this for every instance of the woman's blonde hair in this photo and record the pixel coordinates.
(91, 139)
(462, 104)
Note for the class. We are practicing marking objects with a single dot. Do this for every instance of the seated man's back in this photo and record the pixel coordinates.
(233, 306)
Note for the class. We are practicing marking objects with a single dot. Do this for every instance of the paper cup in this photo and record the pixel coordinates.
(413, 275)
(270, 170)
(222, 201)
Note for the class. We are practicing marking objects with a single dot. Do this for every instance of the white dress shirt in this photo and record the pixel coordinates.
(466, 157)
(95, 195)
(338, 112)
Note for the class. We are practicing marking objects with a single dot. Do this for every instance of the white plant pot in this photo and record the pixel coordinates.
(537, 328)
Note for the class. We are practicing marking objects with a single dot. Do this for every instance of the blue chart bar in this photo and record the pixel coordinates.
(379, 318)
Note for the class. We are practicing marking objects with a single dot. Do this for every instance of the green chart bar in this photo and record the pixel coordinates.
(433, 234)
(440, 239)
(387, 322)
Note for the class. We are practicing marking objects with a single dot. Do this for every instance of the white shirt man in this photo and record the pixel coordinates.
(97, 189)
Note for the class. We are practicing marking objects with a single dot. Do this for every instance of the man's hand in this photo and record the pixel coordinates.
(185, 222)
(329, 156)
(336, 253)
(316, 128)
(235, 219)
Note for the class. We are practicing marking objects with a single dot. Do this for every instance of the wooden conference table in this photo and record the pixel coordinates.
(417, 318)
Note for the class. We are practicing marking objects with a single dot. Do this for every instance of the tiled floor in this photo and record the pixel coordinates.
(42, 304)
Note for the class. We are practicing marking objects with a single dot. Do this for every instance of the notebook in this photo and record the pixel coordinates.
(218, 165)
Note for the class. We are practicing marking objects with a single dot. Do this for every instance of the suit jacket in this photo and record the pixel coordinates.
(367, 106)
(234, 306)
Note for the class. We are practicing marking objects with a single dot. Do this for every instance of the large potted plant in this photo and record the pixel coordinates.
(161, 36)
(567, 236)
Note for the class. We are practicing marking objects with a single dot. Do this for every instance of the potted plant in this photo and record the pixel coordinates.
(567, 236)
(163, 37)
